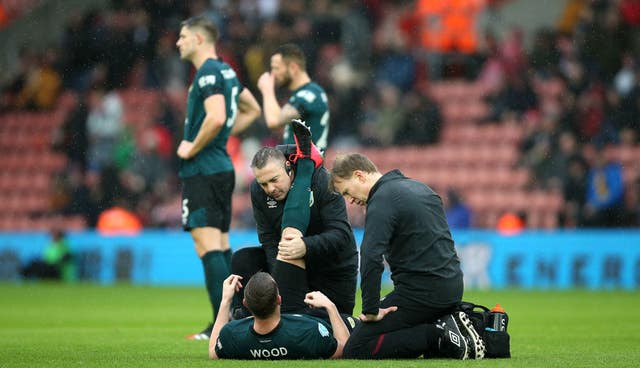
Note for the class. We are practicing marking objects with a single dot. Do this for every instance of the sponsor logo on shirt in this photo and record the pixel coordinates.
(206, 80)
(272, 203)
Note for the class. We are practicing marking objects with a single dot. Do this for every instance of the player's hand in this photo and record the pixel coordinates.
(316, 299)
(230, 286)
(266, 82)
(184, 150)
(377, 317)
(292, 247)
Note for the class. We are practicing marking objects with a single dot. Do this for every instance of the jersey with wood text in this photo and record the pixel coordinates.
(213, 77)
(311, 102)
(296, 337)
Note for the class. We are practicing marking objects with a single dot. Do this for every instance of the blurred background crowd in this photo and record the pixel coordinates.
(541, 125)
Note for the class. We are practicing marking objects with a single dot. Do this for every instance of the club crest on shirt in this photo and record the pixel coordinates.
(272, 203)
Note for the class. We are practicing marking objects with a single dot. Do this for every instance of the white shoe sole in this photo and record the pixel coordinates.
(478, 347)
(199, 336)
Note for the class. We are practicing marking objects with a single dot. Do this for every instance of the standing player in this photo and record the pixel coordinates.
(405, 224)
(308, 100)
(216, 101)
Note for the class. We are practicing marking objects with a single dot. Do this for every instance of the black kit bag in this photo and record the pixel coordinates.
(497, 342)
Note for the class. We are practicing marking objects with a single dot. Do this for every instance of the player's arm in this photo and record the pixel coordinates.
(287, 113)
(268, 233)
(215, 116)
(379, 228)
(275, 116)
(229, 287)
(248, 111)
(317, 299)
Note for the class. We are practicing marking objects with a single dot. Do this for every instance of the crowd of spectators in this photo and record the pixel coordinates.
(579, 100)
(12, 10)
(575, 91)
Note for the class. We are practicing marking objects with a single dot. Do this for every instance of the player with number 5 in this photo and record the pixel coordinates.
(217, 105)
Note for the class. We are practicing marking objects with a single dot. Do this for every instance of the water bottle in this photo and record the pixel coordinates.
(499, 319)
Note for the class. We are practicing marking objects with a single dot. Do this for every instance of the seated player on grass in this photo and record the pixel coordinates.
(269, 334)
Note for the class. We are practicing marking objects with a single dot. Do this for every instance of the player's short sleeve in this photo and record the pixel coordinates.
(225, 346)
(209, 81)
(304, 100)
(324, 343)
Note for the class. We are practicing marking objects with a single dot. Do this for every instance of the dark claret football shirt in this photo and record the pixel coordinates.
(213, 77)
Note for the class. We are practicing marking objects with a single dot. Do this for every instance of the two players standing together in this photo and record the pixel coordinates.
(306, 240)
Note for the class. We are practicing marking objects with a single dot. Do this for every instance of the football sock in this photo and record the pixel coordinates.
(215, 272)
(297, 207)
(227, 257)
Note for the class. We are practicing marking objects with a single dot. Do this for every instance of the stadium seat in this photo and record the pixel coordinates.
(75, 223)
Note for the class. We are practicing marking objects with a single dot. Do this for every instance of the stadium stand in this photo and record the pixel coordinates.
(28, 167)
(14, 9)
(488, 127)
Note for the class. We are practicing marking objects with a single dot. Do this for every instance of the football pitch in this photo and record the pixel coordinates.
(82, 325)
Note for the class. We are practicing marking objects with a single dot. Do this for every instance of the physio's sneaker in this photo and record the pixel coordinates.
(304, 145)
(452, 344)
(475, 343)
(202, 335)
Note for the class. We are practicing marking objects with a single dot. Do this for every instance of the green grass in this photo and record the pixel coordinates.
(126, 326)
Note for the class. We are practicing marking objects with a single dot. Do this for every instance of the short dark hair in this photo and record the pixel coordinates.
(204, 23)
(261, 295)
(292, 53)
(265, 154)
(345, 164)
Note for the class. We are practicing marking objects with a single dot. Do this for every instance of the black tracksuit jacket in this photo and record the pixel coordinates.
(406, 223)
(332, 256)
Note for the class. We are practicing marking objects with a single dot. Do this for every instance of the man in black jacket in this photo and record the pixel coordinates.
(405, 223)
(313, 226)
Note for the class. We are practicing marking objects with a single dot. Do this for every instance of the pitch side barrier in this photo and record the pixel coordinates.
(529, 260)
